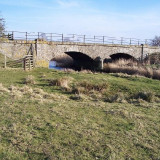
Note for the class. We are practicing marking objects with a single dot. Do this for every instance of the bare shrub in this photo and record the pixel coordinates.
(156, 41)
(29, 80)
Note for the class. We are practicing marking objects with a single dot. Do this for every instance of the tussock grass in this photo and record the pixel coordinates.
(43, 75)
(63, 82)
(147, 96)
(3, 89)
(116, 98)
(86, 87)
(86, 71)
(68, 70)
(30, 79)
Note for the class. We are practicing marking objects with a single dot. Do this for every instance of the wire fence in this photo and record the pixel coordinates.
(55, 37)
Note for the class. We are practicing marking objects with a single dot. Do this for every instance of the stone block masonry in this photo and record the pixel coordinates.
(45, 51)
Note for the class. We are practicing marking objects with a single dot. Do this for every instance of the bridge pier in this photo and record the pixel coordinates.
(99, 63)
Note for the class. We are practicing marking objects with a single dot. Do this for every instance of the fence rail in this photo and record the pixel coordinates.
(55, 37)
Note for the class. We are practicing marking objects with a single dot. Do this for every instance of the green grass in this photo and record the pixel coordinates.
(10, 63)
(85, 128)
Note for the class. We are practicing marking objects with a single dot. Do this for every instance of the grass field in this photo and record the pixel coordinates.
(53, 115)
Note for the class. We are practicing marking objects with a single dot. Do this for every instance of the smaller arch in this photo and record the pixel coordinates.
(61, 62)
(118, 56)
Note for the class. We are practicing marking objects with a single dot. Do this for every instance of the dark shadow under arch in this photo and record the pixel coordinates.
(81, 60)
(118, 56)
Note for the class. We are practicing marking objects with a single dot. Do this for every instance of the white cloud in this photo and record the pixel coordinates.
(67, 4)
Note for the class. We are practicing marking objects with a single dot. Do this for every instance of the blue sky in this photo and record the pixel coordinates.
(119, 18)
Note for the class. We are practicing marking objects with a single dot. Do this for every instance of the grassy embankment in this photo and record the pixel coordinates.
(61, 115)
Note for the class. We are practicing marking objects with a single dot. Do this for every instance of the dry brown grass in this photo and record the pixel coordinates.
(86, 87)
(116, 98)
(143, 95)
(86, 71)
(68, 70)
(3, 89)
(32, 93)
(131, 68)
(29, 80)
(63, 82)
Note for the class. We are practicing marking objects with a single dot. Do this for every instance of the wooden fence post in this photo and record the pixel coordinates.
(121, 40)
(84, 39)
(29, 63)
(24, 63)
(62, 38)
(130, 41)
(12, 35)
(51, 37)
(103, 39)
(38, 35)
(5, 63)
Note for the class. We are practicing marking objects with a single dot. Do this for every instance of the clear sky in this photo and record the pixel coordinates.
(119, 18)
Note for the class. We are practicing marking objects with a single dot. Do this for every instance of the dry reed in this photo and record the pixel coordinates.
(131, 68)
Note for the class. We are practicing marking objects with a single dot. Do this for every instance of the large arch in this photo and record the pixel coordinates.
(81, 60)
(118, 56)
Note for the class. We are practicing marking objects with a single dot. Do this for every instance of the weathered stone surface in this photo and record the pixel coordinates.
(45, 51)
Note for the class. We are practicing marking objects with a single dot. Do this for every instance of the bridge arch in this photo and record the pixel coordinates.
(81, 60)
(118, 56)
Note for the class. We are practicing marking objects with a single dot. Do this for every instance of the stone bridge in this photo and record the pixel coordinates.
(80, 52)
